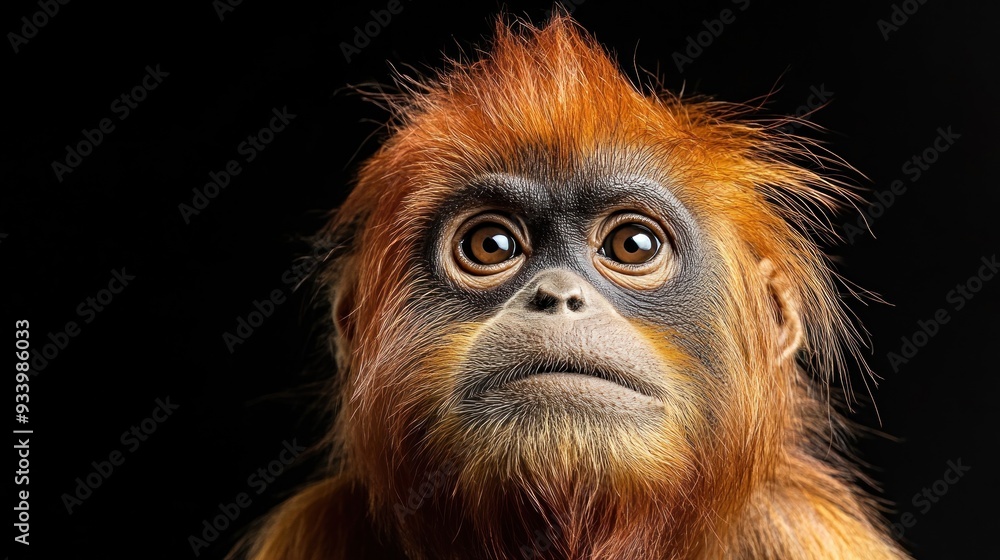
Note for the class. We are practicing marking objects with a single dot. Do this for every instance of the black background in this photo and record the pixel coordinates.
(162, 336)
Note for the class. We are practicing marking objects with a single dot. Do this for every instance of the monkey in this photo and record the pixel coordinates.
(580, 318)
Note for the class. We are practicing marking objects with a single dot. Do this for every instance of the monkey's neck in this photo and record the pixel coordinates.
(805, 513)
(804, 509)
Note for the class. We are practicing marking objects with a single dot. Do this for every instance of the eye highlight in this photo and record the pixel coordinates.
(631, 243)
(633, 250)
(489, 243)
(487, 246)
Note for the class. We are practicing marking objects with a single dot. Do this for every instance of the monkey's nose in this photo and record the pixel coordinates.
(557, 292)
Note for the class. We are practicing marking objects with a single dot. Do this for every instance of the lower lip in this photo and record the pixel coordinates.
(574, 389)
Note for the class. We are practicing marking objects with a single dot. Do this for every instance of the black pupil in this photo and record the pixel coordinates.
(489, 244)
(495, 243)
(631, 245)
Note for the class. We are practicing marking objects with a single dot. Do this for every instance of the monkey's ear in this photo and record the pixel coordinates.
(787, 311)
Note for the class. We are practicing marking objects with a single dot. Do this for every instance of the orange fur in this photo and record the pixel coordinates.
(749, 486)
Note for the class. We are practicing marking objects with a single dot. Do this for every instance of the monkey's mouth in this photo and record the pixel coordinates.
(565, 379)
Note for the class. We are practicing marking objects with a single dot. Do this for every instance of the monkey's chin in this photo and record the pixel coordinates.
(573, 392)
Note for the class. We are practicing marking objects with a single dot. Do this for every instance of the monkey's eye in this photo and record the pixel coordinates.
(485, 246)
(630, 244)
(489, 243)
(634, 250)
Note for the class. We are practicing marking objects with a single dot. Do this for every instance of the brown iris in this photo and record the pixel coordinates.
(489, 243)
(631, 244)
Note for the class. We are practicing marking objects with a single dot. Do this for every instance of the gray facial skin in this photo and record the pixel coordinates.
(558, 342)
(558, 332)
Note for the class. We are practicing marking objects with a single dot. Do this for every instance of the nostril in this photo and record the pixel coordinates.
(554, 300)
(544, 301)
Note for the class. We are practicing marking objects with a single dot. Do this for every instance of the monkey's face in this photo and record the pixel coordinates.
(555, 328)
(571, 291)
(580, 291)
